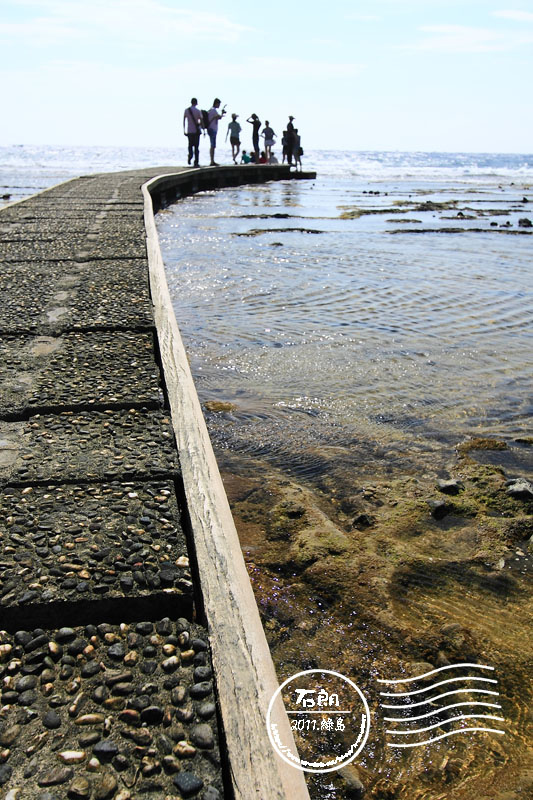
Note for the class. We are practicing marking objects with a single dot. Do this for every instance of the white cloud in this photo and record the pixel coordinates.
(464, 39)
(134, 21)
(517, 16)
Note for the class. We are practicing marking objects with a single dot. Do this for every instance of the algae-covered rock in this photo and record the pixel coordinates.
(317, 541)
(218, 406)
(284, 519)
(481, 443)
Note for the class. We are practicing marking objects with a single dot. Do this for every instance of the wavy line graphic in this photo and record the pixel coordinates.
(439, 711)
(439, 697)
(444, 736)
(408, 716)
(444, 722)
(433, 672)
(434, 686)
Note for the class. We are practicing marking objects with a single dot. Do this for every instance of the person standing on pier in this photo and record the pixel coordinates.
(213, 117)
(234, 130)
(290, 140)
(297, 151)
(256, 122)
(193, 117)
(269, 136)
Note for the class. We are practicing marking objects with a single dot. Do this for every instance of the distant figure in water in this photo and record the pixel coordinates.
(245, 158)
(256, 122)
(192, 120)
(234, 130)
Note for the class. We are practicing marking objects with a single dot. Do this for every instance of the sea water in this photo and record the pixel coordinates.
(356, 339)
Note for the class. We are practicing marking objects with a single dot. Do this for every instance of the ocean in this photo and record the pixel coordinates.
(361, 345)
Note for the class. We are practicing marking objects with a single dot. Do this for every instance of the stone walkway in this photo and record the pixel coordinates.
(105, 677)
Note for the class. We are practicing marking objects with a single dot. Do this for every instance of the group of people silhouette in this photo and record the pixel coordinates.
(196, 121)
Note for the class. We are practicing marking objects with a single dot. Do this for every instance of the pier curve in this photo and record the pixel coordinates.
(241, 657)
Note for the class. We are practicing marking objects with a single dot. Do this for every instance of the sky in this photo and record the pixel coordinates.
(415, 75)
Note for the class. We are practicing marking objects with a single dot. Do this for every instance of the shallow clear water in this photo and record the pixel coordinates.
(346, 335)
(320, 336)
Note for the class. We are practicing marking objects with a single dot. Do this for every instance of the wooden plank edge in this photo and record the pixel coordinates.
(244, 671)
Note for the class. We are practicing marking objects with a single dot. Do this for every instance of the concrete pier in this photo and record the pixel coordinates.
(132, 659)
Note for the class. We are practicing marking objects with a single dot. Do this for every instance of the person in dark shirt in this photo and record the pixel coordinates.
(290, 140)
(256, 122)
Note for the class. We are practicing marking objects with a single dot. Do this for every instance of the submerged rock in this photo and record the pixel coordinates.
(521, 488)
(450, 486)
(439, 508)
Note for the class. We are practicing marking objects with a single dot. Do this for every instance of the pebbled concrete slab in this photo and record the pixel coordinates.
(57, 296)
(72, 247)
(89, 446)
(72, 543)
(82, 226)
(38, 373)
(91, 710)
(78, 212)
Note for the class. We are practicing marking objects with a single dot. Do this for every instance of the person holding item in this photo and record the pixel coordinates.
(269, 137)
(256, 122)
(192, 120)
(212, 127)
(233, 130)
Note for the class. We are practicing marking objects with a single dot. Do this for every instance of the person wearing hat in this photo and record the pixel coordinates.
(290, 140)
(213, 116)
(233, 131)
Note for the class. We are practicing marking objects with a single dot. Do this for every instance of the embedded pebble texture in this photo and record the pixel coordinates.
(62, 543)
(102, 695)
(78, 369)
(96, 445)
(55, 296)
(105, 709)
(69, 246)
